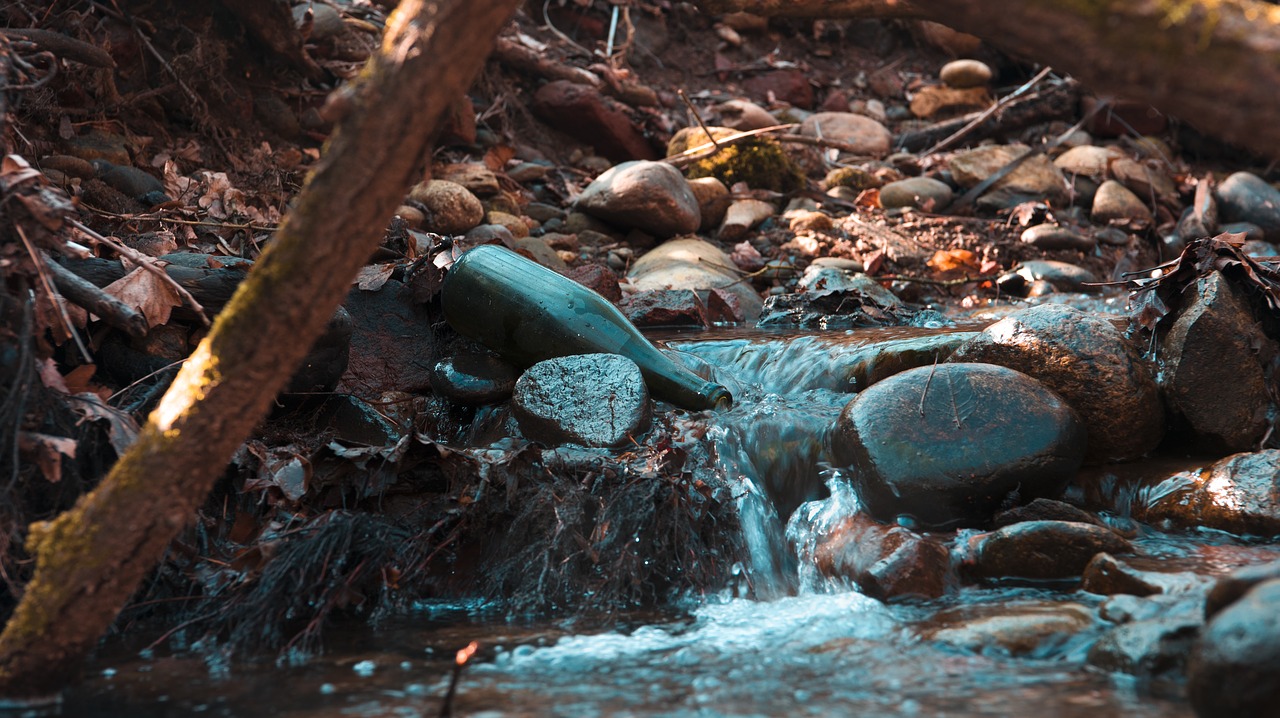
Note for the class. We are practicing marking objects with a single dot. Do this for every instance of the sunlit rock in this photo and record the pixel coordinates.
(1240, 494)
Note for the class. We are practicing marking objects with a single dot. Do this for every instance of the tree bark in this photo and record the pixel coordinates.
(1212, 63)
(91, 559)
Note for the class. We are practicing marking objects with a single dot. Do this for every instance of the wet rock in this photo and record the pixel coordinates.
(1017, 628)
(1064, 276)
(1235, 668)
(965, 73)
(693, 264)
(1245, 197)
(948, 444)
(724, 307)
(474, 378)
(651, 196)
(1089, 363)
(867, 136)
(789, 86)
(1113, 202)
(451, 208)
(1228, 589)
(666, 308)
(1239, 494)
(1036, 179)
(586, 399)
(743, 115)
(1107, 575)
(713, 201)
(1088, 161)
(1151, 647)
(329, 357)
(1213, 376)
(917, 192)
(842, 308)
(1043, 549)
(588, 116)
(1045, 510)
(884, 561)
(1053, 237)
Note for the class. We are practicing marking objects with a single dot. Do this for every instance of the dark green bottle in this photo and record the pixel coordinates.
(528, 313)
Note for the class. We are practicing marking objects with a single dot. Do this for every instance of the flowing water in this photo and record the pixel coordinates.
(804, 645)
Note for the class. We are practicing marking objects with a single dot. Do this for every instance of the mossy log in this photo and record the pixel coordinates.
(91, 559)
(1211, 63)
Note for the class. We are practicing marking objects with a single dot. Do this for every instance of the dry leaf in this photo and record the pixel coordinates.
(50, 376)
(48, 451)
(147, 293)
(372, 277)
(122, 430)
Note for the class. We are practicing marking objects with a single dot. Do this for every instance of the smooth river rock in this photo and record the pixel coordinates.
(923, 193)
(952, 444)
(1037, 178)
(1239, 494)
(451, 208)
(1017, 628)
(649, 196)
(1043, 549)
(1088, 362)
(1245, 197)
(965, 73)
(1113, 202)
(586, 399)
(691, 263)
(865, 135)
(1052, 236)
(1235, 669)
(885, 561)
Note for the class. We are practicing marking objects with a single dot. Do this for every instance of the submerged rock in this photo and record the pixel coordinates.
(650, 196)
(1240, 494)
(951, 444)
(1085, 359)
(1235, 668)
(586, 399)
(1213, 374)
(1151, 647)
(1043, 549)
(1017, 628)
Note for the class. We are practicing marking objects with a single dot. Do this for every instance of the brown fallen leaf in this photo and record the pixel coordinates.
(147, 293)
(48, 451)
(372, 277)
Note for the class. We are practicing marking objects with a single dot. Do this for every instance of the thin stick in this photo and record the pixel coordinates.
(54, 296)
(147, 264)
(928, 380)
(947, 142)
(446, 708)
(697, 116)
(195, 223)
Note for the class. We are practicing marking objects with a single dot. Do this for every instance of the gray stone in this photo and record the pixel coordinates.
(1244, 197)
(650, 196)
(1114, 202)
(691, 263)
(1213, 376)
(917, 192)
(963, 74)
(1052, 236)
(947, 445)
(1035, 179)
(1043, 549)
(474, 378)
(866, 136)
(1088, 161)
(1088, 362)
(586, 399)
(390, 347)
(1235, 668)
(1064, 276)
(1239, 494)
(1107, 575)
(1151, 647)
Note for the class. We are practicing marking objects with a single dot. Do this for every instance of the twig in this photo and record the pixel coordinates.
(966, 279)
(89, 296)
(948, 141)
(546, 18)
(145, 377)
(63, 45)
(43, 270)
(147, 264)
(191, 222)
(697, 116)
(928, 380)
(446, 708)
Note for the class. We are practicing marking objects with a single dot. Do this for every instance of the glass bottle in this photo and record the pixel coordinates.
(528, 313)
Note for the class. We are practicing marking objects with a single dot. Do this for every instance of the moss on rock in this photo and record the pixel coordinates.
(759, 161)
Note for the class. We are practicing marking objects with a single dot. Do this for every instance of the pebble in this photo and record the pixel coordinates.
(1052, 236)
(1244, 197)
(1114, 202)
(965, 73)
(451, 208)
(867, 136)
(650, 196)
(1088, 161)
(713, 201)
(922, 193)
(1017, 628)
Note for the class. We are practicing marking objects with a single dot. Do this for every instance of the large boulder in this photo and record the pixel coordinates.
(691, 263)
(1240, 494)
(952, 444)
(1213, 376)
(650, 196)
(1085, 359)
(1235, 669)
(585, 399)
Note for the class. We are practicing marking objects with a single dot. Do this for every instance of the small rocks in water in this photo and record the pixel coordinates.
(666, 308)
(965, 73)
(865, 135)
(1107, 575)
(451, 208)
(1087, 361)
(1045, 510)
(1235, 668)
(693, 264)
(1239, 494)
(713, 201)
(651, 196)
(1052, 236)
(1017, 628)
(1036, 179)
(1245, 197)
(923, 193)
(885, 561)
(1114, 202)
(949, 444)
(587, 399)
(1043, 549)
(474, 378)
(1148, 648)
(1213, 376)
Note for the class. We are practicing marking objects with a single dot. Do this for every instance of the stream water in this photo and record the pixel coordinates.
(811, 646)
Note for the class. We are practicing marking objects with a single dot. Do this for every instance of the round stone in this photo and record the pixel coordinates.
(585, 399)
(1052, 236)
(923, 193)
(951, 444)
(1115, 202)
(451, 208)
(961, 74)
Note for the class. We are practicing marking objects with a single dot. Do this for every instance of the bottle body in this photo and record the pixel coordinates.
(528, 313)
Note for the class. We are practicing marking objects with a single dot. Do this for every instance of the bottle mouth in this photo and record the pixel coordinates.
(720, 398)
